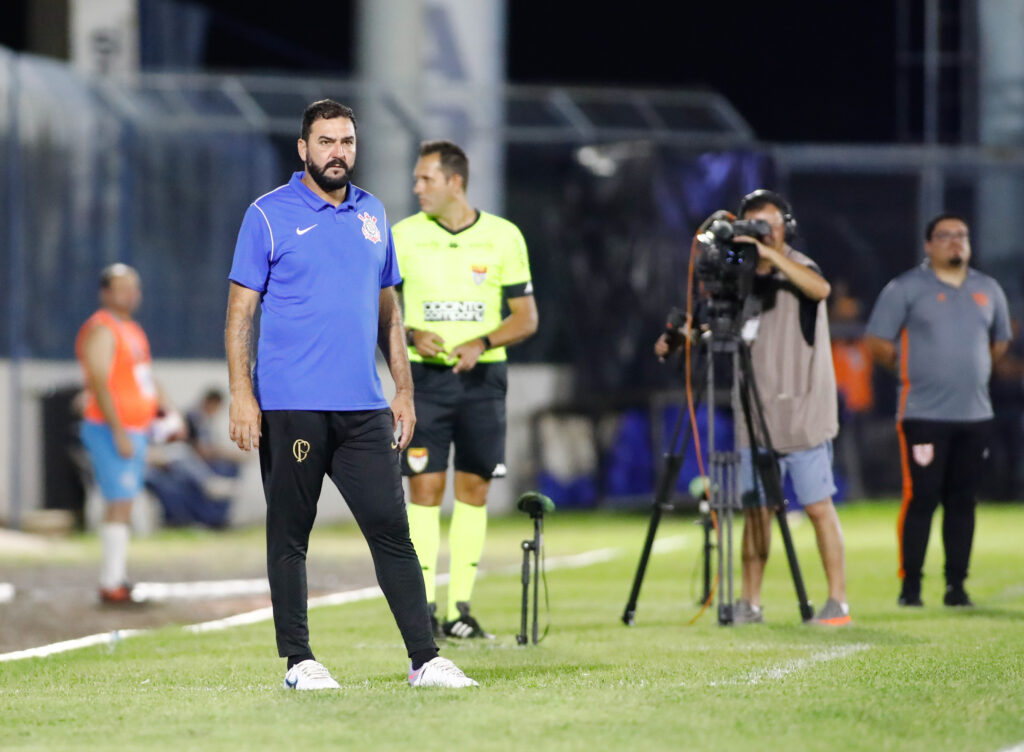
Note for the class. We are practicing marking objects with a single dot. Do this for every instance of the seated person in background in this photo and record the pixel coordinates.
(195, 479)
(222, 460)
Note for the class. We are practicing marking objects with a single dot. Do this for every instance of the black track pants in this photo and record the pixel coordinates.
(942, 461)
(298, 448)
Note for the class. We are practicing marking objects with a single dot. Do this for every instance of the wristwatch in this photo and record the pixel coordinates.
(487, 342)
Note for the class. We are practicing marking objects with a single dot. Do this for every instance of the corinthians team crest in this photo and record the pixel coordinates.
(479, 274)
(417, 458)
(370, 231)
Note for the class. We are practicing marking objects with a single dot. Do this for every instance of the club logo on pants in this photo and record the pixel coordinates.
(300, 449)
(417, 458)
(924, 454)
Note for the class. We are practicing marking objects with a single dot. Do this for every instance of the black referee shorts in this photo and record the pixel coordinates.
(465, 409)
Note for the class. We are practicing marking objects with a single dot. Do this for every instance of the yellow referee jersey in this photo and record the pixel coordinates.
(454, 283)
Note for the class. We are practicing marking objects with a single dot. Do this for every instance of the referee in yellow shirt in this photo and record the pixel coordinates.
(459, 265)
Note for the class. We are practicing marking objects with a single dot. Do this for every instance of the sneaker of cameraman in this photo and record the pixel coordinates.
(792, 363)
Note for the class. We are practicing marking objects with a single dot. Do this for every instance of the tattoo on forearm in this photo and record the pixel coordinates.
(389, 327)
(238, 336)
(391, 340)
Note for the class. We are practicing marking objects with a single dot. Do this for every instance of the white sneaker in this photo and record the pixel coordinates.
(309, 674)
(440, 672)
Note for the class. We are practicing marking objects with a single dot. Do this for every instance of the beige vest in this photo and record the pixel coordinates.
(796, 381)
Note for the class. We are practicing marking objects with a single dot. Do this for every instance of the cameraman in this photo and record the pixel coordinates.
(792, 363)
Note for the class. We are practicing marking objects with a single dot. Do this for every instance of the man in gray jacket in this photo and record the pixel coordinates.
(950, 323)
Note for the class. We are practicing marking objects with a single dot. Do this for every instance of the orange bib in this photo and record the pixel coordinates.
(131, 378)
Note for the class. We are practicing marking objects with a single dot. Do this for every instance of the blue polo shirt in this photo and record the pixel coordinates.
(320, 270)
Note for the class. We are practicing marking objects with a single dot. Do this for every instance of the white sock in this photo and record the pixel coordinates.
(114, 537)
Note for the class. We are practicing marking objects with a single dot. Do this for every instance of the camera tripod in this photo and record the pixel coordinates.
(723, 486)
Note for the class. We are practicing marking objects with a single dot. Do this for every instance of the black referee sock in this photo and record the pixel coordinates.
(421, 657)
(293, 659)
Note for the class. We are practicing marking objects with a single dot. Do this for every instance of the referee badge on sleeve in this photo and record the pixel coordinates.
(417, 458)
(923, 454)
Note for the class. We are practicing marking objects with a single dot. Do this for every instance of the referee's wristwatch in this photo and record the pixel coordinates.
(410, 338)
(487, 342)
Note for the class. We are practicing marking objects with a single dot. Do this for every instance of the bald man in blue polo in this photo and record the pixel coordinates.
(940, 325)
(317, 256)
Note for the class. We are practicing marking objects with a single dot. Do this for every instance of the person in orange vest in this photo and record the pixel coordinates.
(854, 372)
(850, 354)
(122, 400)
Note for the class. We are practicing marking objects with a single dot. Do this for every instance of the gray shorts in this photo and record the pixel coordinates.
(809, 469)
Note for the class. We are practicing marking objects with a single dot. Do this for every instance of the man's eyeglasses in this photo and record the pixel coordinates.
(944, 235)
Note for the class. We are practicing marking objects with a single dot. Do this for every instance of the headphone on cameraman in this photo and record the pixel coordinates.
(773, 198)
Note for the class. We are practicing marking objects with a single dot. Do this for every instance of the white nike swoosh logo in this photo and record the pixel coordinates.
(303, 232)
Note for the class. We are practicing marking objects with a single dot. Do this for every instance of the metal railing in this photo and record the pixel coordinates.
(533, 114)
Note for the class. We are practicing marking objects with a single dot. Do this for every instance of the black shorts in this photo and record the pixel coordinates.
(467, 409)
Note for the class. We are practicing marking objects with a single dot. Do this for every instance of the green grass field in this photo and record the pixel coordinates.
(925, 679)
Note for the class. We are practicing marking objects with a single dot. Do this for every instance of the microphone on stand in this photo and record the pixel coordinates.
(535, 504)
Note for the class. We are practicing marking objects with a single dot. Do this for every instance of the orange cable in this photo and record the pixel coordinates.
(693, 414)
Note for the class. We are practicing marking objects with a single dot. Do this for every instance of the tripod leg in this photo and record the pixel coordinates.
(521, 637)
(673, 464)
(628, 616)
(729, 483)
(708, 548)
(538, 542)
(806, 610)
(719, 506)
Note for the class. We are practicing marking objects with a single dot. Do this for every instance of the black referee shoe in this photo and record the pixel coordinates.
(956, 596)
(465, 627)
(435, 625)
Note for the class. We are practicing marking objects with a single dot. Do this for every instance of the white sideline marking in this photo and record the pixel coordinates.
(584, 559)
(164, 591)
(668, 545)
(104, 638)
(265, 614)
(771, 673)
(1019, 747)
(6, 592)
